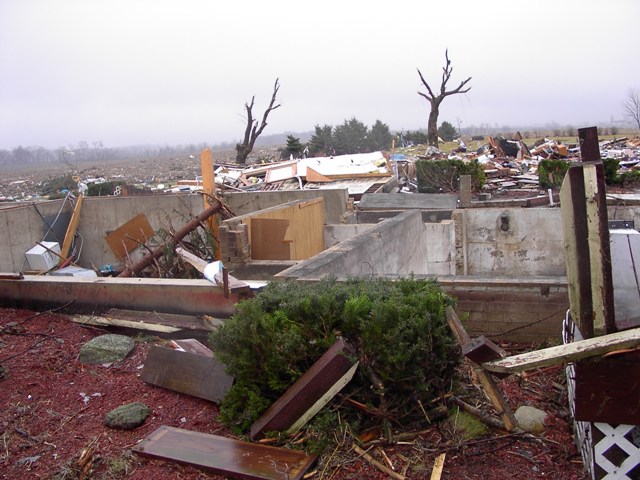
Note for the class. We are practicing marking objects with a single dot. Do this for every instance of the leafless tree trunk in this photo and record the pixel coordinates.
(436, 100)
(631, 106)
(254, 128)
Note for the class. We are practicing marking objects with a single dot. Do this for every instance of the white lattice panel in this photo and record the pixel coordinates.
(616, 455)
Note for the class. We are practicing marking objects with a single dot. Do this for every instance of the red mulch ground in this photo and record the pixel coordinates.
(53, 407)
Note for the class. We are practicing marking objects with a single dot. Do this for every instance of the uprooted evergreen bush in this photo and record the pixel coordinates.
(399, 329)
(443, 176)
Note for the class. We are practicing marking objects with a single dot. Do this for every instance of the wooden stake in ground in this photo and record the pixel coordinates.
(488, 385)
(71, 232)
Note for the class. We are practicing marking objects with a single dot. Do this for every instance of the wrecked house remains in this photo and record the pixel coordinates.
(522, 262)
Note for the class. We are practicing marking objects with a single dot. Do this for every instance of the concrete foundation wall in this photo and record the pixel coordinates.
(22, 226)
(334, 234)
(243, 203)
(401, 245)
(510, 242)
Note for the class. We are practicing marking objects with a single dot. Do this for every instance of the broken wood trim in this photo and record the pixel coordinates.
(383, 468)
(438, 465)
(225, 456)
(314, 389)
(570, 352)
(11, 276)
(488, 385)
(97, 321)
(191, 259)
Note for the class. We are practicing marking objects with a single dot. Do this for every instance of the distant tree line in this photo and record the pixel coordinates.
(352, 136)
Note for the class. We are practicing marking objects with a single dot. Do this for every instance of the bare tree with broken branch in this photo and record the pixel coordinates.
(254, 128)
(436, 100)
(631, 106)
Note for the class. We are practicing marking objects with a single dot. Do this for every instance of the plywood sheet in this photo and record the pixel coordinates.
(129, 235)
(190, 373)
(304, 235)
(269, 239)
(225, 456)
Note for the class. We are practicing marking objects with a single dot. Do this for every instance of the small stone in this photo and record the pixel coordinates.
(127, 417)
(106, 349)
(530, 419)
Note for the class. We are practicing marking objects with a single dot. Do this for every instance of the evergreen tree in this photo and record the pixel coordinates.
(379, 137)
(350, 137)
(294, 147)
(447, 132)
(321, 142)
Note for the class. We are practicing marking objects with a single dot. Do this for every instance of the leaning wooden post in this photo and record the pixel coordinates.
(209, 190)
(488, 385)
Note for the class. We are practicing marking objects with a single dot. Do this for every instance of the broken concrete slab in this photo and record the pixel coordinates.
(106, 349)
(394, 201)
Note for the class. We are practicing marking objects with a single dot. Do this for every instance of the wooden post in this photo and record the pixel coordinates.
(209, 190)
(71, 232)
(488, 385)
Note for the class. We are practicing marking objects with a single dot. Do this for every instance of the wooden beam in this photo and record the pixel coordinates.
(488, 385)
(309, 391)
(209, 190)
(116, 322)
(191, 259)
(71, 232)
(225, 456)
(570, 352)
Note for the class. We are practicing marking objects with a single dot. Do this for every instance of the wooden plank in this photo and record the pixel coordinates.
(570, 352)
(191, 259)
(192, 345)
(576, 249)
(225, 456)
(71, 232)
(312, 386)
(193, 374)
(97, 321)
(209, 190)
(269, 239)
(481, 350)
(436, 473)
(607, 389)
(488, 385)
(129, 235)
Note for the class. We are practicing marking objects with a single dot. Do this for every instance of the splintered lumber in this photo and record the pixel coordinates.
(98, 321)
(225, 456)
(194, 374)
(488, 385)
(312, 391)
(71, 232)
(570, 352)
(191, 259)
(209, 190)
(383, 468)
(179, 235)
(436, 473)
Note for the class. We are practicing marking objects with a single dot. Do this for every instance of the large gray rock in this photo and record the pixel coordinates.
(530, 419)
(127, 417)
(106, 349)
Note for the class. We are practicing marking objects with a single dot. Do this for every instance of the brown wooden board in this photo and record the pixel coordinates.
(307, 390)
(225, 456)
(268, 239)
(608, 389)
(130, 235)
(185, 372)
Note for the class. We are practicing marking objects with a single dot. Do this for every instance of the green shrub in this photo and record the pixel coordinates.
(436, 176)
(552, 172)
(399, 329)
(104, 189)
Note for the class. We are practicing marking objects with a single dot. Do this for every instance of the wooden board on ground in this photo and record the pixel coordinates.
(225, 456)
(310, 392)
(190, 373)
(570, 352)
(130, 235)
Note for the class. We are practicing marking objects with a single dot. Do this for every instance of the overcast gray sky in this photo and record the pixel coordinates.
(129, 72)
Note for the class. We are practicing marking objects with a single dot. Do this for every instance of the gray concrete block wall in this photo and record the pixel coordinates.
(243, 203)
